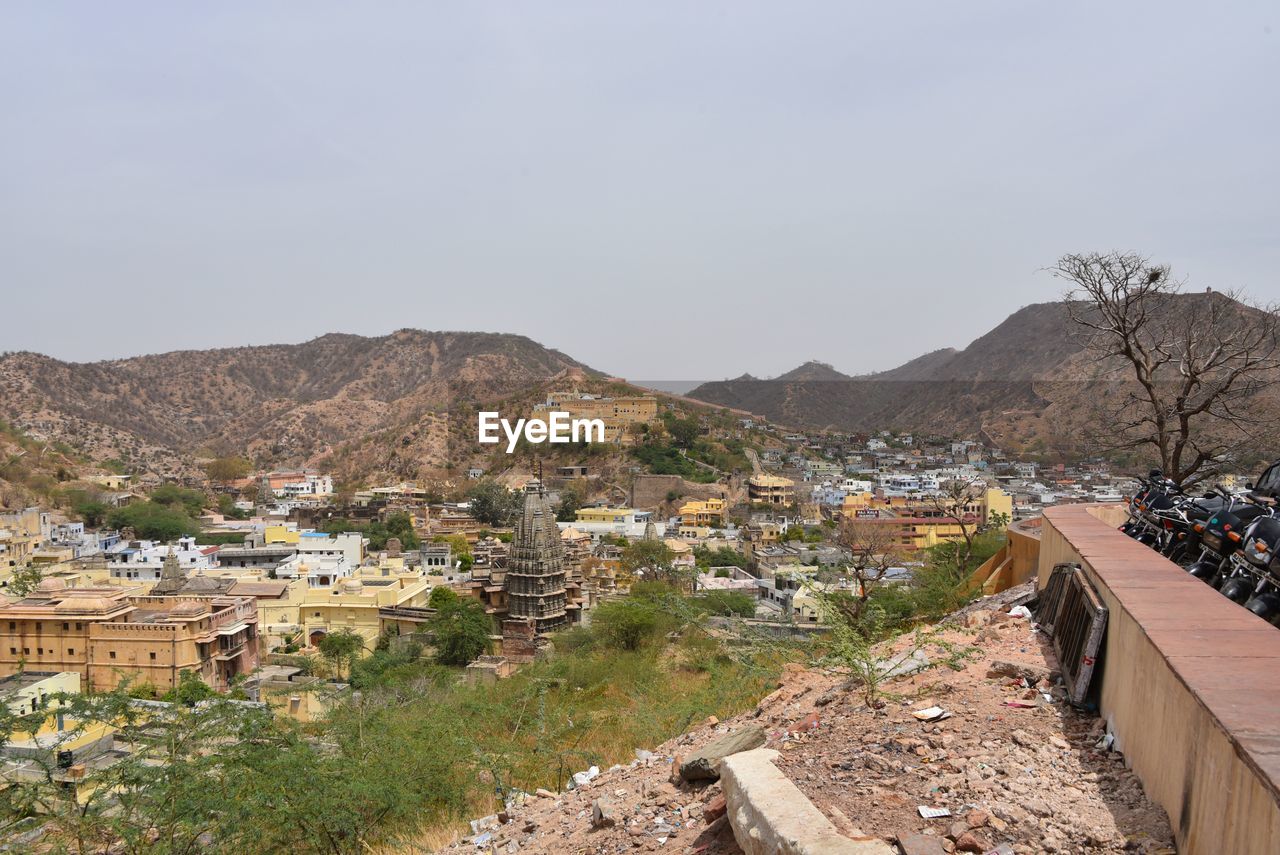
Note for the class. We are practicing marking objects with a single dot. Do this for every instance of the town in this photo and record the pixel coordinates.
(593, 429)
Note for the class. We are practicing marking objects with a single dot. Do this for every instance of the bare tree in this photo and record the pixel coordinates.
(875, 549)
(1196, 362)
(954, 501)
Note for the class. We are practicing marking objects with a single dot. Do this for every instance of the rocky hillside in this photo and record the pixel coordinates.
(1024, 386)
(282, 404)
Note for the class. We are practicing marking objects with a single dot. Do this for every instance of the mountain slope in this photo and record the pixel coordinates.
(287, 404)
(1027, 385)
(946, 391)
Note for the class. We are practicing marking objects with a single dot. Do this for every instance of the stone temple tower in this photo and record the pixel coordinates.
(535, 565)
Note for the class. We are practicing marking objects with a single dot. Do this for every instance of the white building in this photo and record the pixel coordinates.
(143, 560)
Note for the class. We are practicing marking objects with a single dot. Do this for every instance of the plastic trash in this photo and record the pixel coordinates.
(581, 779)
(1021, 611)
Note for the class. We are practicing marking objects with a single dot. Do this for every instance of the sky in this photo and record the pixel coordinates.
(663, 190)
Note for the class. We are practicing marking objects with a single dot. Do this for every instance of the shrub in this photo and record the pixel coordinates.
(462, 631)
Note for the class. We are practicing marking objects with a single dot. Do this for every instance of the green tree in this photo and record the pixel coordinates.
(440, 596)
(684, 432)
(341, 648)
(650, 560)
(461, 631)
(89, 507)
(190, 690)
(726, 603)
(223, 470)
(570, 501)
(192, 502)
(630, 623)
(24, 580)
(153, 521)
(493, 504)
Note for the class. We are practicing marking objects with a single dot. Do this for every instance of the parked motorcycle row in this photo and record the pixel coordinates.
(1228, 540)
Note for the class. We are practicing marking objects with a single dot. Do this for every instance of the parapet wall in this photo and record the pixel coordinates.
(1190, 685)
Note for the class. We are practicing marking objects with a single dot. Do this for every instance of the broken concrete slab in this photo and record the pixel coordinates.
(921, 844)
(769, 814)
(704, 765)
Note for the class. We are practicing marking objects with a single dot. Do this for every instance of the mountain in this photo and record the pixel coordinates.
(811, 371)
(282, 404)
(990, 386)
(1028, 384)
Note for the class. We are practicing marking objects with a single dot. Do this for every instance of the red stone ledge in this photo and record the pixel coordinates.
(1190, 681)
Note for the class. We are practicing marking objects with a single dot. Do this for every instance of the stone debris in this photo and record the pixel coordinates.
(704, 765)
(1016, 780)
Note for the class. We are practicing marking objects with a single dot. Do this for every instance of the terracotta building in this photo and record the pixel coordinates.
(108, 636)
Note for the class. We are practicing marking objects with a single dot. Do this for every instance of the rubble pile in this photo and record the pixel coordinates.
(978, 752)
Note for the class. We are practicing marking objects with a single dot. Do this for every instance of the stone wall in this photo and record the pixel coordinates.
(1188, 685)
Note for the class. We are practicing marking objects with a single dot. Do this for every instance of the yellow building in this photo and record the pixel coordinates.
(771, 489)
(25, 693)
(709, 512)
(19, 537)
(980, 508)
(281, 534)
(354, 604)
(606, 515)
(617, 414)
(111, 482)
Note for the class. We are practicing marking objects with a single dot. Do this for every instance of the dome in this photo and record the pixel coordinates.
(352, 586)
(85, 605)
(189, 608)
(51, 585)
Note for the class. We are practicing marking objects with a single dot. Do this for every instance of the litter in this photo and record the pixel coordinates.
(482, 839)
(581, 779)
(933, 813)
(1022, 705)
(1002, 849)
(643, 755)
(932, 714)
(1021, 611)
(1105, 743)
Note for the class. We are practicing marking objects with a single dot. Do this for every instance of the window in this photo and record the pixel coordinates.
(112, 654)
(153, 655)
(79, 626)
(39, 651)
(66, 626)
(71, 651)
(13, 651)
(26, 651)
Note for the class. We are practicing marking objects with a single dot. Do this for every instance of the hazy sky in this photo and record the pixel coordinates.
(663, 190)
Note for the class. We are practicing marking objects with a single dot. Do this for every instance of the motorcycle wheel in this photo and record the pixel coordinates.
(1205, 571)
(1265, 606)
(1237, 590)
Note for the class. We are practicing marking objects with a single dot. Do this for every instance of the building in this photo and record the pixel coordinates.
(620, 522)
(535, 578)
(708, 512)
(213, 637)
(143, 560)
(27, 692)
(20, 535)
(617, 414)
(771, 489)
(357, 605)
(108, 636)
